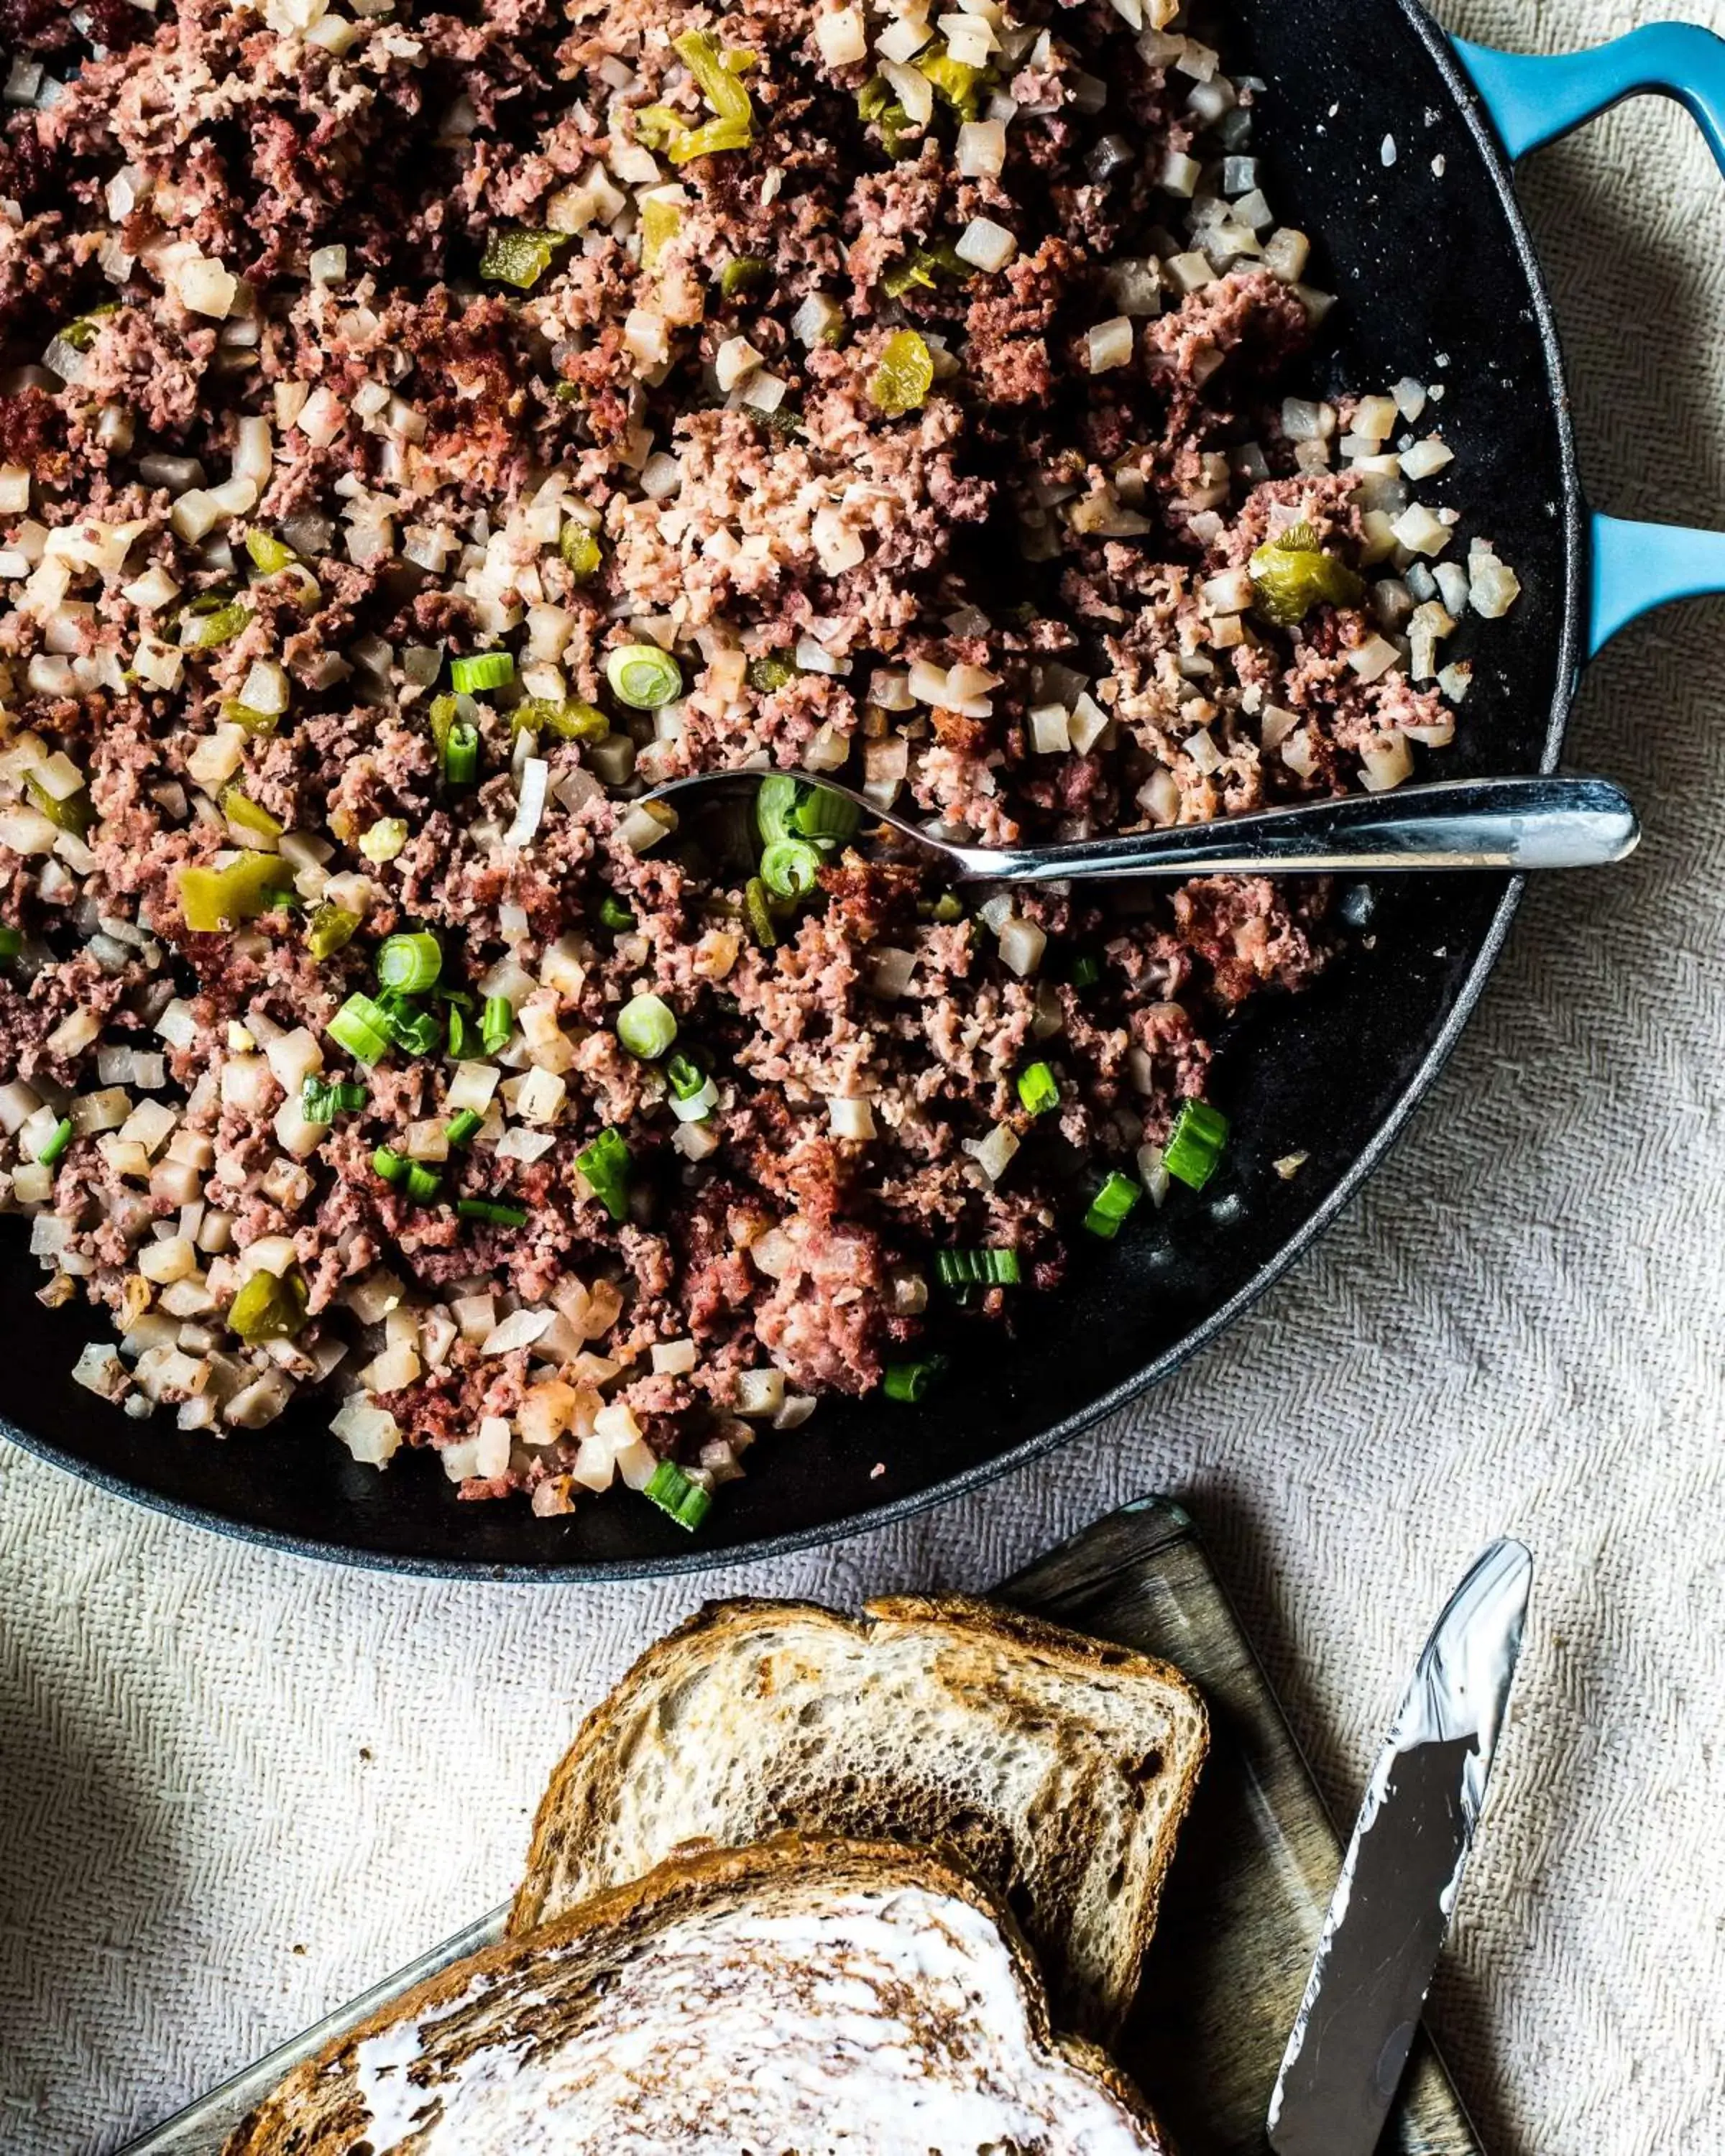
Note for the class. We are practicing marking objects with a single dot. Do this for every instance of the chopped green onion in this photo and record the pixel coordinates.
(1037, 1090)
(410, 964)
(823, 814)
(1194, 1144)
(480, 670)
(320, 1099)
(742, 274)
(642, 676)
(496, 1023)
(492, 1210)
(776, 806)
(58, 1138)
(269, 1307)
(423, 1183)
(389, 1164)
(203, 629)
(911, 1381)
(270, 554)
(462, 1126)
(580, 552)
(1086, 970)
(1111, 1205)
(606, 1164)
(362, 1027)
(11, 941)
(993, 1268)
(329, 929)
(772, 673)
(413, 1028)
(758, 913)
(211, 898)
(461, 754)
(673, 1492)
(614, 915)
(947, 908)
(520, 258)
(647, 1025)
(790, 868)
(684, 1076)
(458, 1039)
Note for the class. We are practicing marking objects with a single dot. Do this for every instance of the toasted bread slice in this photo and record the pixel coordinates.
(802, 1995)
(1057, 1767)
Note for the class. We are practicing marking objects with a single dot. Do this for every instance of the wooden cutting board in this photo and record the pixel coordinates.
(1245, 1903)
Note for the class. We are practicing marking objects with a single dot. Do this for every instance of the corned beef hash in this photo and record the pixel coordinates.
(428, 428)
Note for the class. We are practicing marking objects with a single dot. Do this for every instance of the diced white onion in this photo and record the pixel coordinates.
(986, 245)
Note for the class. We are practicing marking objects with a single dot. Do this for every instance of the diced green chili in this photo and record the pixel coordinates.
(519, 257)
(270, 1305)
(904, 376)
(212, 899)
(569, 718)
(11, 943)
(329, 930)
(75, 812)
(660, 221)
(203, 626)
(269, 555)
(758, 913)
(956, 82)
(776, 671)
(742, 274)
(1291, 574)
(580, 550)
(614, 915)
(238, 807)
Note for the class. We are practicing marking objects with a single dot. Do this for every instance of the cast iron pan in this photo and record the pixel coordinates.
(1437, 280)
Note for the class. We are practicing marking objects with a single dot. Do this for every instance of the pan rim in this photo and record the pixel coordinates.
(596, 1571)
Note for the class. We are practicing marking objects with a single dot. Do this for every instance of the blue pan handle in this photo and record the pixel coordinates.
(1534, 97)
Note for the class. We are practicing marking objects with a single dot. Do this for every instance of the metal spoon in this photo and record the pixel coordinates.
(1515, 824)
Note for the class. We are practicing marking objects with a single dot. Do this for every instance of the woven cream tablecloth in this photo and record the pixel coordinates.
(235, 1787)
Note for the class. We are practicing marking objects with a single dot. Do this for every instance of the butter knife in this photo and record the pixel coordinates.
(1400, 1876)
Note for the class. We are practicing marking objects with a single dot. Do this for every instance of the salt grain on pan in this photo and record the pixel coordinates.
(1387, 151)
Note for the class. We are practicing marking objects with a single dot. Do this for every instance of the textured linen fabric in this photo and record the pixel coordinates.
(236, 1788)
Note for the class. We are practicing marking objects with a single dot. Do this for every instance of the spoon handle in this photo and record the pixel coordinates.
(1515, 824)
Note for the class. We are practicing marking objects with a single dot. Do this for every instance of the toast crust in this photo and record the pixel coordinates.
(586, 1784)
(317, 2111)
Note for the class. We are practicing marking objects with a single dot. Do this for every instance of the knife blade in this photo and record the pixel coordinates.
(1397, 1891)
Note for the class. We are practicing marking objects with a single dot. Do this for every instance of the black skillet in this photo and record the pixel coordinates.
(1437, 280)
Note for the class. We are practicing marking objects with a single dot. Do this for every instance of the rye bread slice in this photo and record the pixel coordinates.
(803, 1995)
(1058, 1767)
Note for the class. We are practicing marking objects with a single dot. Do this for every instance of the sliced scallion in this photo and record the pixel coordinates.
(684, 1076)
(647, 1025)
(414, 1030)
(496, 1023)
(409, 964)
(58, 1138)
(462, 1126)
(911, 1381)
(422, 1183)
(519, 257)
(492, 1210)
(993, 1268)
(458, 1037)
(323, 1099)
(480, 670)
(461, 754)
(642, 676)
(390, 1165)
(362, 1027)
(744, 273)
(605, 1164)
(825, 816)
(614, 915)
(673, 1492)
(775, 805)
(1112, 1203)
(1194, 1144)
(1037, 1091)
(790, 868)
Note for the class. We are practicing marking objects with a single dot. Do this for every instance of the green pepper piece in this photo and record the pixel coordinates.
(1291, 574)
(270, 1307)
(700, 54)
(956, 83)
(904, 376)
(76, 814)
(580, 550)
(776, 671)
(746, 273)
(202, 628)
(660, 221)
(519, 257)
(570, 718)
(212, 899)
